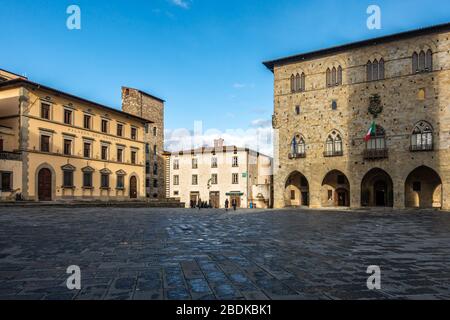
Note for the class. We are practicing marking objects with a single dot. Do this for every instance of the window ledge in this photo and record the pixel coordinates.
(88, 188)
(105, 188)
(68, 187)
(120, 189)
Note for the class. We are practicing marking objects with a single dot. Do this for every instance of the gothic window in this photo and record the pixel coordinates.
(422, 62)
(375, 70)
(303, 82)
(429, 61)
(328, 77)
(298, 147)
(292, 83)
(415, 62)
(422, 137)
(381, 69)
(369, 71)
(333, 145)
(298, 82)
(339, 76)
(333, 76)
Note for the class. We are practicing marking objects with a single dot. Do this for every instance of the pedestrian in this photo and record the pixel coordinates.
(199, 203)
(234, 204)
(227, 204)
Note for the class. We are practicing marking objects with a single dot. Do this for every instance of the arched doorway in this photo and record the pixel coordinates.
(296, 190)
(423, 189)
(377, 189)
(335, 190)
(133, 187)
(45, 185)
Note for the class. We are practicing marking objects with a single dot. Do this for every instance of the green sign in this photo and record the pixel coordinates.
(244, 175)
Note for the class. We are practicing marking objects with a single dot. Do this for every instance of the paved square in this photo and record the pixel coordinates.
(187, 254)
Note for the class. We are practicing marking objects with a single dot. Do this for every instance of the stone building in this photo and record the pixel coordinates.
(57, 146)
(151, 108)
(214, 174)
(326, 101)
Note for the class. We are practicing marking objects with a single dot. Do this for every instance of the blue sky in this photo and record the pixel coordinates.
(203, 56)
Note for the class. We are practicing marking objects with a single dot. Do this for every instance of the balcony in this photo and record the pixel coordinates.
(375, 154)
(421, 147)
(297, 155)
(329, 154)
(4, 155)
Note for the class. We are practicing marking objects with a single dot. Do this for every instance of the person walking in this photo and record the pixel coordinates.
(234, 204)
(227, 204)
(199, 203)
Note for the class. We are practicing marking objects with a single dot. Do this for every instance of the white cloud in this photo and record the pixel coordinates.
(238, 85)
(185, 4)
(258, 137)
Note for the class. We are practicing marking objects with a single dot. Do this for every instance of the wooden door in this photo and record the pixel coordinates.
(214, 198)
(45, 185)
(133, 188)
(237, 199)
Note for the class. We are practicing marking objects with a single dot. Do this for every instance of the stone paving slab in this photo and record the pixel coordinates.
(177, 254)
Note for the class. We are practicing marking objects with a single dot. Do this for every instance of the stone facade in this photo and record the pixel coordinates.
(359, 174)
(152, 108)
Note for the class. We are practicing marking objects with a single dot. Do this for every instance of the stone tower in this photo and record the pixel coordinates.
(149, 107)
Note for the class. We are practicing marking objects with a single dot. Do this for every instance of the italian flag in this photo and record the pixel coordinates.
(371, 132)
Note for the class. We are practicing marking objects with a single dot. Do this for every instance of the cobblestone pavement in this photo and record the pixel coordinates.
(186, 254)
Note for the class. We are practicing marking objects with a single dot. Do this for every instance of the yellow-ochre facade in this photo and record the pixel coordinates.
(56, 146)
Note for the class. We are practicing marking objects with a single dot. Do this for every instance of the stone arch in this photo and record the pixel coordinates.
(377, 189)
(296, 192)
(45, 165)
(335, 191)
(423, 188)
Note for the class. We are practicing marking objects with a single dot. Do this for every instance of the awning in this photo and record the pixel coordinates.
(235, 193)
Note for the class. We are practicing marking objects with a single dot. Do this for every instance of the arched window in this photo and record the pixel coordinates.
(333, 76)
(303, 82)
(302, 147)
(328, 77)
(421, 61)
(329, 145)
(369, 71)
(339, 75)
(429, 61)
(292, 83)
(338, 145)
(298, 147)
(375, 70)
(381, 69)
(333, 145)
(297, 82)
(415, 62)
(422, 137)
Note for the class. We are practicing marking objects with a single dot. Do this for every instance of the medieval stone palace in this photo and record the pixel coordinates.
(365, 124)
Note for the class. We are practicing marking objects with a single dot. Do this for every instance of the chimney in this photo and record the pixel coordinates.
(218, 143)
